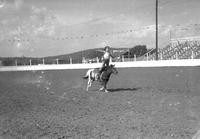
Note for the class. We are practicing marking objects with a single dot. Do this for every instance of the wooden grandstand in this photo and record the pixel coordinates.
(179, 48)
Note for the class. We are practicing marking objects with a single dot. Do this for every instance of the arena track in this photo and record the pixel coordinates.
(142, 103)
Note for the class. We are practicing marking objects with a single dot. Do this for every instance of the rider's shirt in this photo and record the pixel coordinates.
(106, 56)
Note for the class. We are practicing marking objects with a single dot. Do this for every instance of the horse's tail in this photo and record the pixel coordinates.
(87, 75)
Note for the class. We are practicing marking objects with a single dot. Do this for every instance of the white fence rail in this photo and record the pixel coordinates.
(161, 63)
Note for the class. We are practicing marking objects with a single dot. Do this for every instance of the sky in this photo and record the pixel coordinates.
(39, 28)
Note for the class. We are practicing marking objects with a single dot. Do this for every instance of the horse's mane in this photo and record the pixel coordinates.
(110, 66)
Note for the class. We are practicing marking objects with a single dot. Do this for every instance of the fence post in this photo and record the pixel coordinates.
(161, 56)
(15, 62)
(30, 62)
(134, 57)
(83, 60)
(147, 57)
(70, 60)
(176, 55)
(43, 61)
(110, 59)
(57, 61)
(192, 54)
(122, 58)
(97, 60)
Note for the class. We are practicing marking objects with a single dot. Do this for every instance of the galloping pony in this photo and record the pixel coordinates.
(92, 75)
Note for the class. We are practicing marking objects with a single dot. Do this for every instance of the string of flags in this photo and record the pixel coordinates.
(63, 38)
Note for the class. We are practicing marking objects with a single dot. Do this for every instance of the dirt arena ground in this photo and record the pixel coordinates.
(143, 103)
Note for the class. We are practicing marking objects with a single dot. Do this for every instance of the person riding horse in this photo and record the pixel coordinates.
(105, 60)
(91, 75)
(103, 74)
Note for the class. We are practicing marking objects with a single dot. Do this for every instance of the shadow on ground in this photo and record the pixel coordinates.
(123, 89)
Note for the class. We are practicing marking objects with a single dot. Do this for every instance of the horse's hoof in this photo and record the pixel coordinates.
(101, 89)
(106, 91)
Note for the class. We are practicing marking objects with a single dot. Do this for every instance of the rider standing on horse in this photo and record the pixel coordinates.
(105, 59)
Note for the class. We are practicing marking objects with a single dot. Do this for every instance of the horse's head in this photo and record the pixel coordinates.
(113, 69)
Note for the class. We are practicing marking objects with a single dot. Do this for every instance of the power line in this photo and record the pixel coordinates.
(176, 27)
(167, 3)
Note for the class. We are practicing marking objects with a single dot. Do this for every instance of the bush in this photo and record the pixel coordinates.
(138, 50)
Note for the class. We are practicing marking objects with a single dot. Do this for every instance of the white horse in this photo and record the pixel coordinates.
(92, 75)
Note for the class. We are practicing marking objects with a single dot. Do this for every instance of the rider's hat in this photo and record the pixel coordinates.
(106, 47)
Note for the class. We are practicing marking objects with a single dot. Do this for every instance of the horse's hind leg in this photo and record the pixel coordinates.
(89, 80)
(88, 84)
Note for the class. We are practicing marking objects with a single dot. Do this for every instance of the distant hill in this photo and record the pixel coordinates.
(87, 54)
(63, 59)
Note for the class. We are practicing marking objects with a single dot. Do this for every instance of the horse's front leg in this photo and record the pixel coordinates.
(105, 87)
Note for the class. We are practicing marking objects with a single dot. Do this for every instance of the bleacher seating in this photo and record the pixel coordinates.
(179, 50)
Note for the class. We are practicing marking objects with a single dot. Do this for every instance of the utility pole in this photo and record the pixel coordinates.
(170, 37)
(156, 29)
